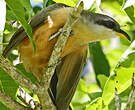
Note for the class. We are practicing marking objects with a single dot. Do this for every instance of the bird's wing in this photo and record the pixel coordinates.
(68, 73)
(35, 22)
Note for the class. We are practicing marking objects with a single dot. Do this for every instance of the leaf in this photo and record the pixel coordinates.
(112, 106)
(102, 80)
(128, 3)
(87, 3)
(28, 7)
(94, 95)
(8, 84)
(130, 13)
(121, 80)
(99, 61)
(3, 107)
(124, 78)
(50, 2)
(19, 12)
(108, 92)
(96, 104)
(128, 58)
(22, 70)
(67, 2)
(10, 15)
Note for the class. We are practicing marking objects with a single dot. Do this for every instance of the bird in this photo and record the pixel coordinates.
(90, 27)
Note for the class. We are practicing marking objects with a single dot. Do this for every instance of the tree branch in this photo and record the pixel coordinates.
(45, 82)
(131, 96)
(117, 100)
(4, 64)
(10, 103)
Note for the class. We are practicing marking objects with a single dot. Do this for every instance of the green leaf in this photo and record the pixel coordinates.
(8, 84)
(102, 80)
(121, 80)
(3, 107)
(112, 106)
(96, 104)
(99, 61)
(49, 2)
(94, 95)
(109, 89)
(87, 3)
(19, 12)
(22, 70)
(124, 78)
(10, 15)
(28, 7)
(128, 58)
(67, 2)
(122, 75)
(130, 13)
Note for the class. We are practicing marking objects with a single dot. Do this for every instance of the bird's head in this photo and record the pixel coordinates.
(103, 26)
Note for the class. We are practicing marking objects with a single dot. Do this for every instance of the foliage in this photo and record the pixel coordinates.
(113, 60)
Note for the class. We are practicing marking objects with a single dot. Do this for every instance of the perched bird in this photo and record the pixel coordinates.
(90, 27)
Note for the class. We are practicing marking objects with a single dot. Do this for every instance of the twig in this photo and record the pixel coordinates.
(117, 100)
(45, 82)
(16, 76)
(10, 103)
(131, 96)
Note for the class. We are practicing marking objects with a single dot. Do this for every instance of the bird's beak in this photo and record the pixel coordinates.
(122, 33)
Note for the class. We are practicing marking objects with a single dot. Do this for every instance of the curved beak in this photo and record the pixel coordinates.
(122, 33)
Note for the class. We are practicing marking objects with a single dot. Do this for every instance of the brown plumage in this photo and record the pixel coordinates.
(89, 28)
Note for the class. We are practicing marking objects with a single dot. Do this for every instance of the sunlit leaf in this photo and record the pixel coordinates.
(94, 95)
(120, 80)
(108, 92)
(128, 58)
(96, 104)
(19, 12)
(128, 3)
(67, 2)
(102, 80)
(87, 3)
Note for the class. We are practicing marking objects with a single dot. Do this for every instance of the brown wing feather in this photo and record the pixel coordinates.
(35, 22)
(68, 77)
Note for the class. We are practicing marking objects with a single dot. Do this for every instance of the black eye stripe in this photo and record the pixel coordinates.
(106, 23)
(109, 24)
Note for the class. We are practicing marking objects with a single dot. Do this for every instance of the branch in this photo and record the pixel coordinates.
(131, 96)
(4, 64)
(10, 103)
(45, 82)
(117, 100)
